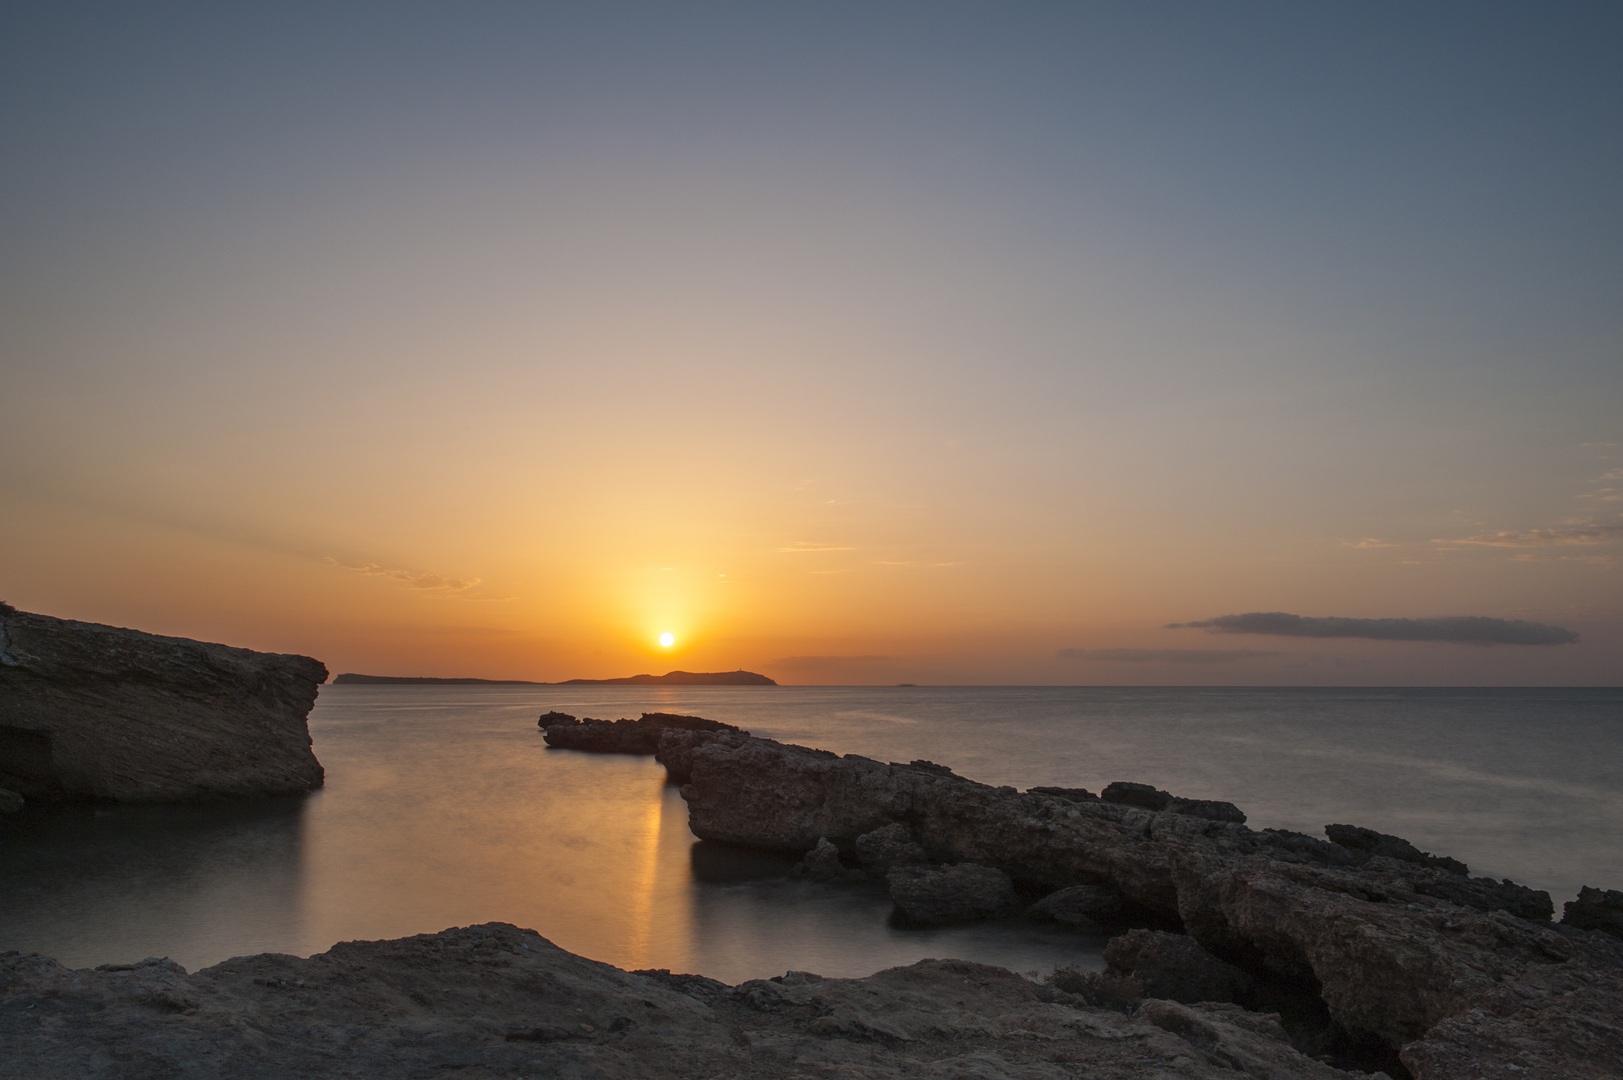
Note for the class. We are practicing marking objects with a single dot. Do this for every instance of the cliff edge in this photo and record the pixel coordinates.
(99, 712)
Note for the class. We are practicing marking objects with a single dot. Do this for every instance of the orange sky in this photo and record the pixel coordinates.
(466, 363)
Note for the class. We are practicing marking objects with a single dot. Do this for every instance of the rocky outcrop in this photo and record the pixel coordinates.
(889, 846)
(1079, 905)
(1595, 910)
(1152, 798)
(1400, 952)
(1367, 843)
(640, 736)
(964, 892)
(1175, 967)
(494, 1000)
(99, 712)
(823, 863)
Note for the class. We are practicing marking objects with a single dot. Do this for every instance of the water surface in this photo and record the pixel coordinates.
(443, 807)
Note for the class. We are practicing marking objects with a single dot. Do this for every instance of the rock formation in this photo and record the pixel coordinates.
(1079, 905)
(640, 736)
(98, 712)
(933, 895)
(1151, 798)
(1596, 910)
(1459, 976)
(497, 1001)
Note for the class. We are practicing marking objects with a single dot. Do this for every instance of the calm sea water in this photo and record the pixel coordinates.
(443, 807)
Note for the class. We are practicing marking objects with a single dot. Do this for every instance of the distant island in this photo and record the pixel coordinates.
(352, 678)
(670, 678)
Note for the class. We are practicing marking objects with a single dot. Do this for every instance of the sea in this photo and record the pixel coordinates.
(443, 807)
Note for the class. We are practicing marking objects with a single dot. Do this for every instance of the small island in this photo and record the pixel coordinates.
(670, 678)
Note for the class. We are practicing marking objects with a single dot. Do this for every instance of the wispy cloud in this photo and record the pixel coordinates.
(1163, 656)
(1578, 532)
(430, 582)
(801, 547)
(1609, 493)
(1372, 542)
(1463, 629)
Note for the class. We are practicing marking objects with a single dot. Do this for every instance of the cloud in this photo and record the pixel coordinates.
(1372, 542)
(1163, 656)
(1577, 533)
(797, 548)
(431, 582)
(1464, 629)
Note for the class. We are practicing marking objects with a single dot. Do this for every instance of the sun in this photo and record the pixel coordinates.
(667, 639)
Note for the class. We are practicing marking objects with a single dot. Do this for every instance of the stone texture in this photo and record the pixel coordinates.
(640, 736)
(822, 863)
(1151, 798)
(1596, 910)
(1368, 842)
(496, 1001)
(888, 846)
(948, 894)
(1175, 967)
(1079, 905)
(99, 712)
(1395, 949)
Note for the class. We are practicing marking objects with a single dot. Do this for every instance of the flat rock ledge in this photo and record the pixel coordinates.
(103, 713)
(640, 736)
(491, 1001)
(1422, 969)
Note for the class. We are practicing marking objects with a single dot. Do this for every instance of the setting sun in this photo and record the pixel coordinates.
(667, 640)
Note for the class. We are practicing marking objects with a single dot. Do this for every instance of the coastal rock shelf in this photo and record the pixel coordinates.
(1449, 975)
(640, 736)
(99, 712)
(497, 1001)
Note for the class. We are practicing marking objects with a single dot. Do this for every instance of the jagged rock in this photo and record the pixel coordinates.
(1395, 948)
(1079, 905)
(11, 803)
(1368, 842)
(98, 712)
(1174, 966)
(1131, 794)
(1595, 910)
(949, 894)
(888, 846)
(1070, 794)
(640, 736)
(822, 863)
(495, 1000)
(1151, 798)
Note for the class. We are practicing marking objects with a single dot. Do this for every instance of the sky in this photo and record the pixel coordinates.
(951, 343)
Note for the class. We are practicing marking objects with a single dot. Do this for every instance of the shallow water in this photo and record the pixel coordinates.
(443, 807)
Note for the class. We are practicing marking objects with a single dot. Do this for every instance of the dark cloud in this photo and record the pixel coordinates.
(1163, 656)
(1467, 629)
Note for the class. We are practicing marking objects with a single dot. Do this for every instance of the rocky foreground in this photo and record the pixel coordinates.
(1417, 966)
(100, 712)
(496, 1001)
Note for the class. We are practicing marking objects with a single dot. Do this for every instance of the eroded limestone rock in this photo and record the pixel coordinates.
(495, 1000)
(964, 892)
(1397, 949)
(98, 712)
